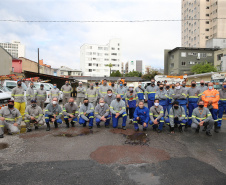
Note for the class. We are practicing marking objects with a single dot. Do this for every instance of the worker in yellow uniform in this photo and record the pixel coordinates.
(19, 99)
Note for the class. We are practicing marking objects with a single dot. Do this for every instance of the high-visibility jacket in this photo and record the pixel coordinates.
(212, 95)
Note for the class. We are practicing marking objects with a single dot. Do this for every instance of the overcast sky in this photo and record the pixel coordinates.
(60, 43)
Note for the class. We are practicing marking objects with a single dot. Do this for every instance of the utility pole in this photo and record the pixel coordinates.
(38, 60)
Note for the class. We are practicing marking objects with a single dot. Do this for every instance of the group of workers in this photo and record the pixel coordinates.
(173, 104)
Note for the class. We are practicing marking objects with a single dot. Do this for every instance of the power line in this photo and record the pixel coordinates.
(112, 21)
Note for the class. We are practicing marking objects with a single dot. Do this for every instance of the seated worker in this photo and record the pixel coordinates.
(141, 116)
(176, 117)
(201, 116)
(53, 113)
(33, 116)
(86, 113)
(102, 113)
(118, 110)
(156, 116)
(70, 112)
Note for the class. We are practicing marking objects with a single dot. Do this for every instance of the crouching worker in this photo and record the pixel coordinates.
(10, 118)
(141, 116)
(102, 113)
(33, 116)
(118, 110)
(201, 116)
(176, 117)
(157, 116)
(86, 113)
(53, 113)
(70, 112)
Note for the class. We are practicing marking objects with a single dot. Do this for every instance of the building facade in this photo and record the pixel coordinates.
(5, 61)
(180, 60)
(94, 59)
(16, 49)
(220, 59)
(216, 43)
(134, 65)
(66, 71)
(196, 32)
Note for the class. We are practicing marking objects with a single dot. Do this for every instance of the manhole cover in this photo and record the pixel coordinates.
(137, 139)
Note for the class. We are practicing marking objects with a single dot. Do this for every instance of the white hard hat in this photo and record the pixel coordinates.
(131, 85)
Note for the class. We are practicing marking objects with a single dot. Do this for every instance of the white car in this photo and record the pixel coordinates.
(4, 97)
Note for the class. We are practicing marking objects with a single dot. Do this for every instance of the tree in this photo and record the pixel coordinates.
(109, 65)
(150, 74)
(203, 68)
(133, 74)
(116, 74)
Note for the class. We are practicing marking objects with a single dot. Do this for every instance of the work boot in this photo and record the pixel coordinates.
(159, 131)
(137, 129)
(106, 126)
(48, 127)
(29, 130)
(216, 128)
(124, 128)
(84, 125)
(36, 127)
(55, 124)
(130, 121)
(67, 124)
(154, 129)
(72, 124)
(144, 129)
(197, 130)
(208, 133)
(98, 125)
(204, 128)
(2, 136)
(90, 127)
(180, 128)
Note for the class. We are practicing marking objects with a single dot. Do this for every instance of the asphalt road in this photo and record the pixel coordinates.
(112, 156)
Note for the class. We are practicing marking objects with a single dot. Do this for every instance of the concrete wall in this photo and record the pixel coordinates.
(6, 62)
(29, 65)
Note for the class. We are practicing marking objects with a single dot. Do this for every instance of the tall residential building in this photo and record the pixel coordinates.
(94, 59)
(196, 32)
(134, 65)
(16, 49)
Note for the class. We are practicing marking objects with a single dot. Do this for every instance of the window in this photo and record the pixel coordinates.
(183, 63)
(191, 62)
(207, 22)
(207, 37)
(219, 56)
(12, 69)
(172, 65)
(94, 53)
(207, 29)
(203, 55)
(100, 48)
(114, 54)
(90, 70)
(90, 64)
(171, 57)
(106, 59)
(105, 48)
(183, 54)
(112, 48)
(106, 54)
(207, 15)
(113, 59)
(94, 58)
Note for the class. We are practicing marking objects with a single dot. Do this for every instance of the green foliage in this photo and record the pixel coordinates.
(133, 74)
(203, 68)
(150, 75)
(116, 74)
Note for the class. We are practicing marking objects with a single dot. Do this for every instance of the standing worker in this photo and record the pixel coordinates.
(131, 101)
(169, 92)
(140, 92)
(193, 97)
(67, 90)
(30, 93)
(222, 104)
(150, 93)
(81, 92)
(211, 98)
(54, 93)
(121, 90)
(103, 89)
(161, 95)
(109, 97)
(19, 99)
(41, 96)
(10, 118)
(92, 94)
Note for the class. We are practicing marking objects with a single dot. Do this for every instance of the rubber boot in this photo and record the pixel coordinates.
(55, 124)
(48, 127)
(67, 123)
(216, 128)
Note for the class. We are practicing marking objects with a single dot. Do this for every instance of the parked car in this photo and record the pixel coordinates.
(4, 97)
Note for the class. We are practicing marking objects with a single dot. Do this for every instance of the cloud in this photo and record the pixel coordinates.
(60, 43)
